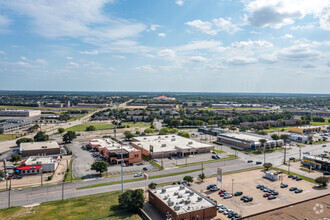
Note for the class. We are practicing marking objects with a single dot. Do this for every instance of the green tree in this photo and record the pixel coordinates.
(128, 135)
(60, 130)
(90, 128)
(23, 140)
(188, 179)
(64, 117)
(262, 142)
(184, 134)
(100, 166)
(322, 180)
(173, 130)
(152, 185)
(201, 177)
(149, 131)
(15, 158)
(175, 123)
(243, 128)
(164, 131)
(33, 128)
(2, 174)
(267, 165)
(137, 132)
(41, 136)
(69, 136)
(132, 199)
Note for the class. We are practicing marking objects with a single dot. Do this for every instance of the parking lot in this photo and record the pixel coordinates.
(247, 182)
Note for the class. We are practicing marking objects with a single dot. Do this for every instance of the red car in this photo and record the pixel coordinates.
(267, 194)
(222, 191)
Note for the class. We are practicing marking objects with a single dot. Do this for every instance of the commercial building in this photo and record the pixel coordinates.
(181, 202)
(39, 148)
(90, 105)
(111, 151)
(321, 163)
(168, 145)
(13, 125)
(19, 113)
(39, 164)
(164, 98)
(300, 137)
(306, 129)
(192, 104)
(247, 140)
(163, 106)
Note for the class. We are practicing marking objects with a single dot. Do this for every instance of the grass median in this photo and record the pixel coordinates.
(152, 162)
(291, 173)
(229, 157)
(139, 179)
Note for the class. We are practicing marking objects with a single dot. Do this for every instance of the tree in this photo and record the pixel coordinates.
(243, 128)
(152, 185)
(322, 180)
(100, 166)
(285, 138)
(15, 158)
(262, 132)
(262, 142)
(60, 130)
(201, 177)
(164, 131)
(132, 199)
(128, 135)
(33, 128)
(23, 140)
(267, 165)
(69, 136)
(188, 179)
(175, 123)
(2, 174)
(184, 134)
(90, 128)
(41, 136)
(233, 128)
(64, 117)
(149, 130)
(137, 132)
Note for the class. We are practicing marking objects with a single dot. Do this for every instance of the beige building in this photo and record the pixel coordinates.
(19, 113)
(39, 148)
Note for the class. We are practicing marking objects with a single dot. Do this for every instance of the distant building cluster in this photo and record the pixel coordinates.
(12, 125)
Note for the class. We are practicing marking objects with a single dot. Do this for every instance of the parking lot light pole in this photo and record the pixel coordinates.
(232, 186)
(41, 176)
(122, 169)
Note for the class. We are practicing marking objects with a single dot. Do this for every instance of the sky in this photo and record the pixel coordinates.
(258, 46)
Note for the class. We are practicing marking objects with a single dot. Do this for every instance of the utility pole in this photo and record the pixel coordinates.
(122, 169)
(284, 153)
(264, 155)
(9, 193)
(232, 186)
(202, 168)
(162, 159)
(289, 167)
(41, 176)
(300, 153)
(62, 191)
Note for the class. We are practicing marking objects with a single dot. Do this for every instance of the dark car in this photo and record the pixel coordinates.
(284, 185)
(298, 190)
(290, 176)
(259, 186)
(326, 173)
(298, 178)
(238, 193)
(250, 161)
(211, 186)
(214, 157)
(17, 176)
(258, 162)
(145, 168)
(292, 158)
(271, 197)
(170, 157)
(293, 188)
(274, 193)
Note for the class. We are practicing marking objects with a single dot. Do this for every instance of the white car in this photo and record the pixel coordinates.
(137, 174)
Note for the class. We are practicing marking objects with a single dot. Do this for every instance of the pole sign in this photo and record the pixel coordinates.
(219, 174)
(145, 176)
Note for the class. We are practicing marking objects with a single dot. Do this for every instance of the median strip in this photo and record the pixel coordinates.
(230, 157)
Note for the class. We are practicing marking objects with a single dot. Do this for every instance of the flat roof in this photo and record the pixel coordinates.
(110, 144)
(182, 199)
(39, 145)
(38, 160)
(246, 136)
(164, 143)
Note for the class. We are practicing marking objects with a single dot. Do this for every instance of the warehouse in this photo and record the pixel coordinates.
(19, 113)
(306, 129)
(168, 145)
(39, 148)
(247, 140)
(13, 125)
(181, 202)
(39, 164)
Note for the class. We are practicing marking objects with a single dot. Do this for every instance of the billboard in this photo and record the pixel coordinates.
(219, 174)
(145, 176)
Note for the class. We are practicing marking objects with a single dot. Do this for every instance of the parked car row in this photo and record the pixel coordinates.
(215, 157)
(297, 178)
(229, 212)
(247, 198)
(295, 189)
(224, 194)
(269, 193)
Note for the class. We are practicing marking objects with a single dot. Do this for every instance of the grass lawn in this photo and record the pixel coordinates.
(6, 137)
(302, 177)
(82, 127)
(218, 151)
(251, 151)
(99, 206)
(230, 157)
(77, 117)
(137, 124)
(276, 129)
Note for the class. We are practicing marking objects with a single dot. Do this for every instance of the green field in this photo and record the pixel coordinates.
(138, 124)
(99, 206)
(82, 127)
(230, 157)
(6, 137)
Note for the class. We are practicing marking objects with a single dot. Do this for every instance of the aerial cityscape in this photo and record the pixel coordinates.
(165, 110)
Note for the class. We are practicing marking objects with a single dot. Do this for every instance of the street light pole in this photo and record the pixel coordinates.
(232, 186)
(122, 169)
(41, 176)
(9, 193)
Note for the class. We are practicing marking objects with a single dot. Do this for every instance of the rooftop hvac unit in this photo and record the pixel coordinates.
(144, 138)
(190, 142)
(176, 208)
(173, 136)
(199, 199)
(191, 193)
(163, 190)
(173, 139)
(163, 145)
(166, 136)
(179, 196)
(170, 203)
(181, 201)
(159, 136)
(187, 191)
(181, 187)
(175, 193)
(187, 201)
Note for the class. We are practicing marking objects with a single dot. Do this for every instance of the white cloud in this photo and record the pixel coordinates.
(200, 45)
(83, 19)
(69, 58)
(112, 68)
(277, 13)
(252, 44)
(268, 58)
(23, 58)
(41, 61)
(217, 25)
(73, 64)
(119, 57)
(205, 27)
(308, 66)
(93, 52)
(197, 59)
(238, 61)
(162, 35)
(302, 27)
(4, 23)
(179, 2)
(154, 27)
(146, 68)
(298, 52)
(167, 53)
(287, 36)
(2, 52)
(225, 25)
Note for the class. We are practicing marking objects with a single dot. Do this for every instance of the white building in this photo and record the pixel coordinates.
(42, 164)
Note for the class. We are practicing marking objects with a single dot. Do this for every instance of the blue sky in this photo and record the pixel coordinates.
(165, 45)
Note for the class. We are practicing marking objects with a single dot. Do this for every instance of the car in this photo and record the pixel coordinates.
(267, 194)
(290, 176)
(214, 157)
(298, 190)
(298, 178)
(292, 158)
(274, 193)
(210, 186)
(294, 177)
(326, 173)
(20, 176)
(238, 193)
(271, 197)
(326, 151)
(284, 185)
(324, 145)
(214, 188)
(170, 157)
(258, 162)
(227, 196)
(222, 194)
(293, 188)
(250, 161)
(145, 168)
(225, 212)
(137, 174)
(266, 190)
(259, 186)
(218, 157)
(221, 210)
(155, 160)
(243, 197)
(222, 191)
